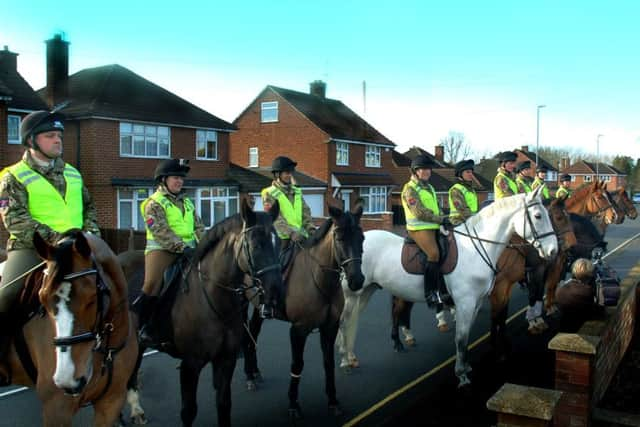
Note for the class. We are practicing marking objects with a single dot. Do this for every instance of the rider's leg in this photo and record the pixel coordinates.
(426, 240)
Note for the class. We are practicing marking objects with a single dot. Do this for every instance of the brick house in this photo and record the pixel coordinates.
(330, 142)
(584, 172)
(120, 125)
(552, 174)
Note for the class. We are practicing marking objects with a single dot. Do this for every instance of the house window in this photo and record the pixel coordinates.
(605, 178)
(375, 199)
(216, 203)
(587, 178)
(372, 156)
(342, 154)
(129, 200)
(206, 144)
(13, 129)
(138, 140)
(269, 112)
(254, 160)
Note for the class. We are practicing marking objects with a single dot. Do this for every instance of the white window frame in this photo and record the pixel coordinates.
(203, 138)
(605, 178)
(269, 112)
(15, 118)
(587, 178)
(372, 206)
(342, 154)
(254, 157)
(372, 156)
(144, 134)
(229, 200)
(136, 199)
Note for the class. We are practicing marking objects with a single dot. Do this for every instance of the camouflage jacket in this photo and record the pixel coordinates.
(524, 184)
(463, 211)
(501, 186)
(155, 218)
(413, 203)
(14, 205)
(280, 224)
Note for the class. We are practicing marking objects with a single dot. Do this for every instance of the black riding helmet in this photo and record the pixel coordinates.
(464, 165)
(171, 167)
(542, 168)
(39, 122)
(422, 161)
(282, 163)
(523, 165)
(565, 177)
(507, 156)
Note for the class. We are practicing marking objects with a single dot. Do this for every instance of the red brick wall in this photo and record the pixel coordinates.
(293, 135)
(615, 183)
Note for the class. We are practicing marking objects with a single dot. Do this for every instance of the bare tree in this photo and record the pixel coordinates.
(455, 146)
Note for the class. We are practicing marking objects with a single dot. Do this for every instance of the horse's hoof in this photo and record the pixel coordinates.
(335, 410)
(443, 328)
(411, 342)
(251, 385)
(139, 420)
(295, 413)
(354, 363)
(399, 348)
(257, 377)
(346, 369)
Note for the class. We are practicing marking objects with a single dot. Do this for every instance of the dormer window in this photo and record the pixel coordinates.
(269, 112)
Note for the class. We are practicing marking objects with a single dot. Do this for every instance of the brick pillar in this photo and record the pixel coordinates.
(519, 406)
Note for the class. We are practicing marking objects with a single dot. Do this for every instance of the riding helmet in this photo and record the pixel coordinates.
(542, 168)
(422, 161)
(464, 165)
(172, 167)
(523, 165)
(39, 122)
(565, 177)
(282, 163)
(507, 156)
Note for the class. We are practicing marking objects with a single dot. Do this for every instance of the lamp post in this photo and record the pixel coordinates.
(538, 131)
(598, 157)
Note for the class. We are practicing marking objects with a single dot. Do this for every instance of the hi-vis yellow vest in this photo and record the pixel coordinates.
(497, 192)
(470, 197)
(46, 204)
(545, 190)
(563, 192)
(428, 199)
(523, 182)
(291, 213)
(182, 225)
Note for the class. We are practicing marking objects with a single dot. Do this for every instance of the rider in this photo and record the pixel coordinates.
(423, 217)
(541, 174)
(173, 228)
(40, 193)
(463, 200)
(564, 191)
(294, 223)
(523, 180)
(504, 184)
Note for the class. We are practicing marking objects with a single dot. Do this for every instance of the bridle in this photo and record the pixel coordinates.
(602, 209)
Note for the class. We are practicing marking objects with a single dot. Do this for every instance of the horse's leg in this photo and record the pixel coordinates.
(249, 340)
(350, 303)
(328, 334)
(57, 411)
(133, 395)
(405, 324)
(499, 311)
(223, 367)
(466, 311)
(351, 326)
(396, 309)
(107, 410)
(298, 339)
(554, 275)
(189, 376)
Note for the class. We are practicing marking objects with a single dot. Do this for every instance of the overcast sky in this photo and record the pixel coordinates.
(480, 68)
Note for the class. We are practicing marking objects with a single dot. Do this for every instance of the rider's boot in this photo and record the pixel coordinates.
(431, 281)
(5, 342)
(145, 305)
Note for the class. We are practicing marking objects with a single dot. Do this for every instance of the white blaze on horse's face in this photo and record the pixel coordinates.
(538, 229)
(65, 369)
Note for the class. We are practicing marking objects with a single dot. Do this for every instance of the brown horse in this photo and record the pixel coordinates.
(621, 199)
(202, 320)
(314, 299)
(82, 349)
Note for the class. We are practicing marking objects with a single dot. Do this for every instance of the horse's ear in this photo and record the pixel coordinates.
(536, 192)
(274, 211)
(44, 249)
(248, 215)
(359, 208)
(334, 212)
(82, 245)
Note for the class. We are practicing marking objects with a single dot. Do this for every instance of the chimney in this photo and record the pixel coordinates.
(439, 153)
(57, 70)
(565, 163)
(318, 88)
(525, 148)
(8, 59)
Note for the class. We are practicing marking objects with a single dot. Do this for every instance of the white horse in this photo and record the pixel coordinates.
(480, 242)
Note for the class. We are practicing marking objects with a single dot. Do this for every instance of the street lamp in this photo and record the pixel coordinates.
(598, 157)
(538, 131)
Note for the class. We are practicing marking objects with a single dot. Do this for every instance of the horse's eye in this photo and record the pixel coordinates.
(537, 216)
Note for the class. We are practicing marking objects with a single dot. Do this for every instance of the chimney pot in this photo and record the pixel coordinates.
(525, 148)
(318, 88)
(8, 59)
(439, 153)
(57, 70)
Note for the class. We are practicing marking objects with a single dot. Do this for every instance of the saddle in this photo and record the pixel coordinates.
(414, 261)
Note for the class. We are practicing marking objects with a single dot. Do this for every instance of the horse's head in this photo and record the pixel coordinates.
(562, 224)
(347, 241)
(74, 299)
(257, 255)
(598, 203)
(534, 225)
(621, 199)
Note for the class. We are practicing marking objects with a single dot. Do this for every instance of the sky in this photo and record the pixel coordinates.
(476, 67)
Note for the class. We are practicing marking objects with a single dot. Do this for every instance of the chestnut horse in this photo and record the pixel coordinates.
(204, 316)
(78, 347)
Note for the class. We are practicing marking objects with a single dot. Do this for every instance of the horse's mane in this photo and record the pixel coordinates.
(494, 208)
(319, 234)
(62, 255)
(579, 194)
(215, 234)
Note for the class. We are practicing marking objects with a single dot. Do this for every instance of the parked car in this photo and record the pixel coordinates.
(636, 198)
